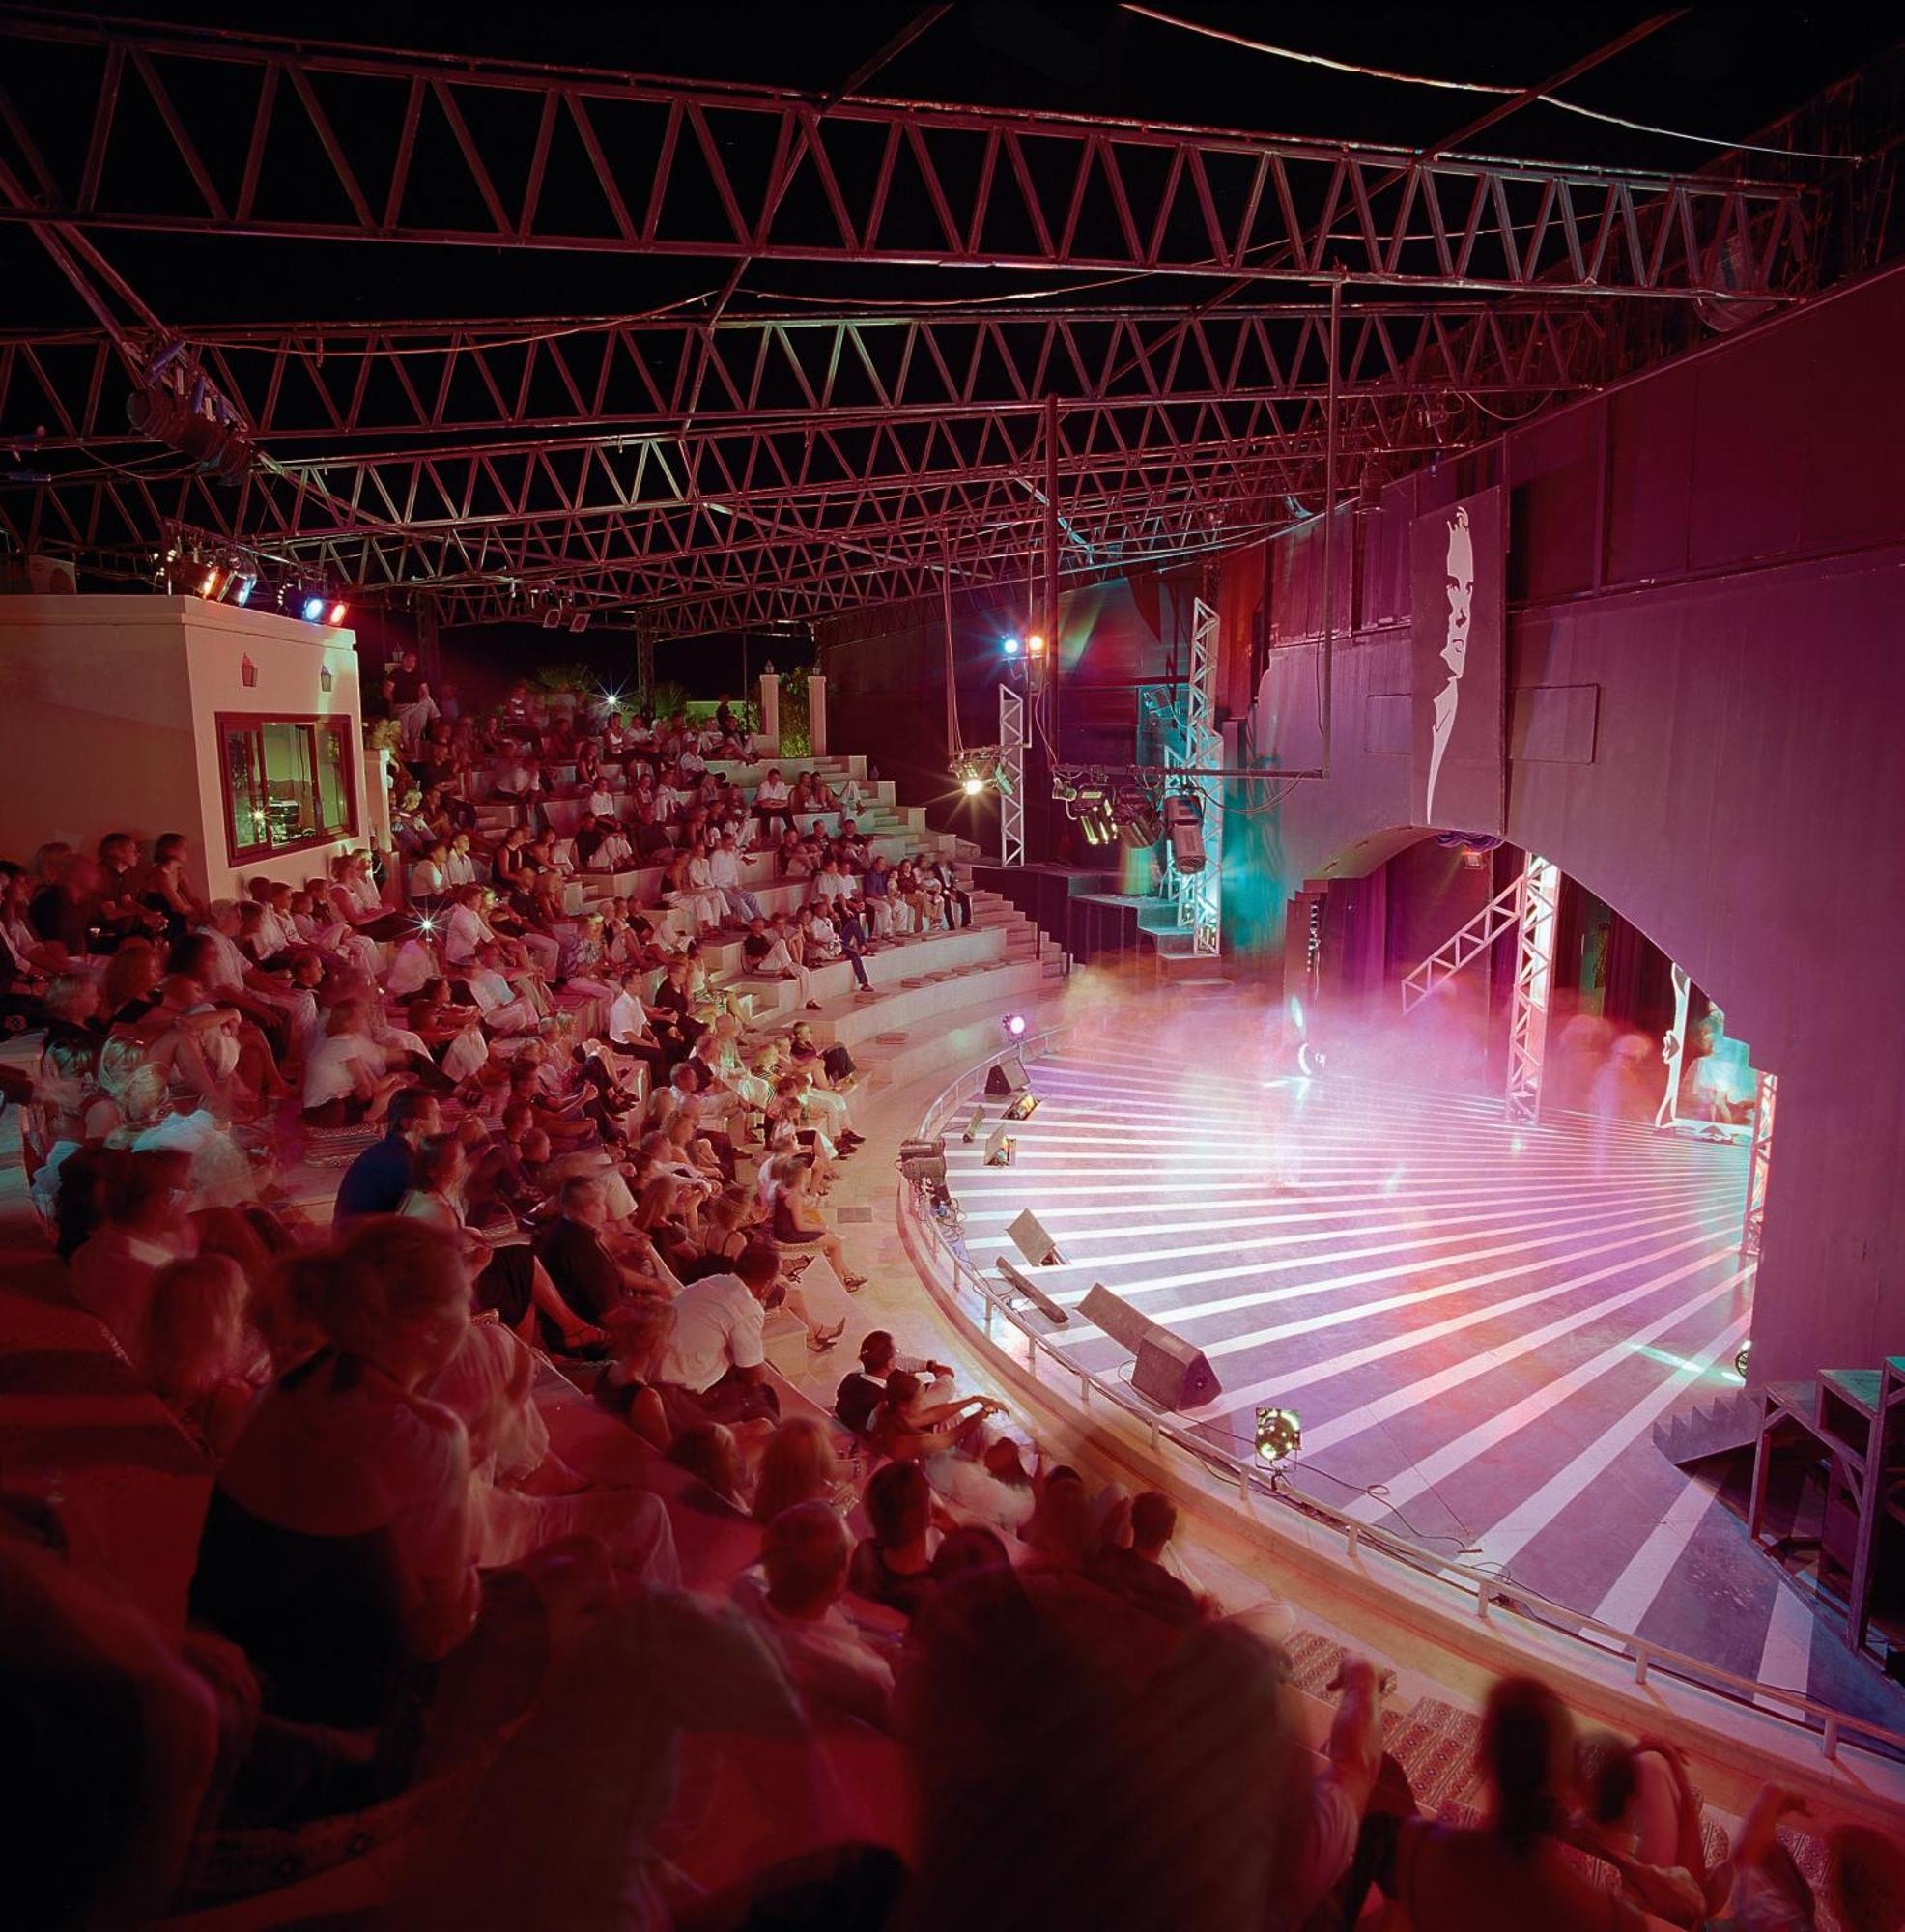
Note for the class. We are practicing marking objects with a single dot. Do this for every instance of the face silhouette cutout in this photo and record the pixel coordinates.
(1460, 583)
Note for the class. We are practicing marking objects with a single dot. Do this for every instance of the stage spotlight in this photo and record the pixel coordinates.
(973, 786)
(337, 611)
(1011, 647)
(1035, 645)
(999, 1149)
(212, 582)
(1279, 1433)
(1183, 821)
(1024, 1107)
(314, 610)
(246, 586)
(974, 1127)
(1015, 1025)
(923, 1164)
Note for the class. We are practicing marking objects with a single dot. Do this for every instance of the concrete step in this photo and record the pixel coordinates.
(909, 1009)
(888, 970)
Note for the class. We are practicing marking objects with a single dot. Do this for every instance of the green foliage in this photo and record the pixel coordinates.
(796, 729)
(668, 698)
(557, 679)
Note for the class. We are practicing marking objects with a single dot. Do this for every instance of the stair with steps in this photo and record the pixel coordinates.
(1722, 1426)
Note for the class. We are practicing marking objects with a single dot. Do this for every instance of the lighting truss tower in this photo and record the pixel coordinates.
(1534, 985)
(1011, 774)
(1759, 1163)
(1200, 893)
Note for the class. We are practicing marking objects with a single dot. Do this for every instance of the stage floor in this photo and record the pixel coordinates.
(1479, 1326)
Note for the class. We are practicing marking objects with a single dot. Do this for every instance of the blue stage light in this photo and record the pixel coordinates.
(314, 610)
(1011, 647)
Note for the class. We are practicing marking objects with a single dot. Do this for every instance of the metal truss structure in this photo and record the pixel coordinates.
(1011, 774)
(1468, 942)
(1537, 912)
(351, 144)
(1759, 1163)
(1201, 893)
(731, 460)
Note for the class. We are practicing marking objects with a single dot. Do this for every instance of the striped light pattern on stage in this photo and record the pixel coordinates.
(1478, 1324)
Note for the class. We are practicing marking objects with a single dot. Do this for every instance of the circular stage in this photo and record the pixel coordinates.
(1479, 1325)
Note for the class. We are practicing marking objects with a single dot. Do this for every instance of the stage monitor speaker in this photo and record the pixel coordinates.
(1169, 1370)
(999, 1148)
(1030, 1239)
(973, 1125)
(1039, 1299)
(1007, 1077)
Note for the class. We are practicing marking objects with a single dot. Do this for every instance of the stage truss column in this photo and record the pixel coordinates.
(1760, 1164)
(1200, 893)
(1534, 985)
(1012, 776)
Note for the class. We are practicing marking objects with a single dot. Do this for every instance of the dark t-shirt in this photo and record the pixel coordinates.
(581, 1268)
(405, 686)
(64, 922)
(376, 1181)
(855, 1398)
(1146, 1587)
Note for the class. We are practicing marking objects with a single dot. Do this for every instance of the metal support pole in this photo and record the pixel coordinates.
(1534, 985)
(1051, 612)
(1328, 697)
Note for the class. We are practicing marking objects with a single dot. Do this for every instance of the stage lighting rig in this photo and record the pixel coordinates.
(923, 1164)
(1279, 1434)
(982, 769)
(1014, 1024)
(196, 422)
(1024, 1107)
(1183, 821)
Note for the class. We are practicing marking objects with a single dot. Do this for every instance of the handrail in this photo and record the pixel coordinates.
(1484, 1593)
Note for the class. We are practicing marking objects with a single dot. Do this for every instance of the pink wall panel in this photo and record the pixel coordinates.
(1744, 800)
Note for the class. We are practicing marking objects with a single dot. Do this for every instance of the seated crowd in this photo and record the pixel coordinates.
(503, 1487)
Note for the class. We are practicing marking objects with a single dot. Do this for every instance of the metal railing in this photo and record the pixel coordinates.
(1485, 1596)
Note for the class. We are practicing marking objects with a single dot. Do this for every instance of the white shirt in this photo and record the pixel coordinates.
(333, 1066)
(412, 970)
(232, 963)
(830, 885)
(459, 870)
(426, 879)
(612, 855)
(466, 930)
(489, 990)
(831, 1666)
(717, 1327)
(602, 803)
(725, 868)
(275, 933)
(627, 1020)
(771, 792)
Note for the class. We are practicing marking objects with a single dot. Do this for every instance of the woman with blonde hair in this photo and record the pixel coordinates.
(798, 1465)
(196, 1345)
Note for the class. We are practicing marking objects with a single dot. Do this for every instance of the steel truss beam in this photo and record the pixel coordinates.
(1201, 893)
(1537, 913)
(1760, 1164)
(233, 133)
(329, 383)
(1011, 773)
